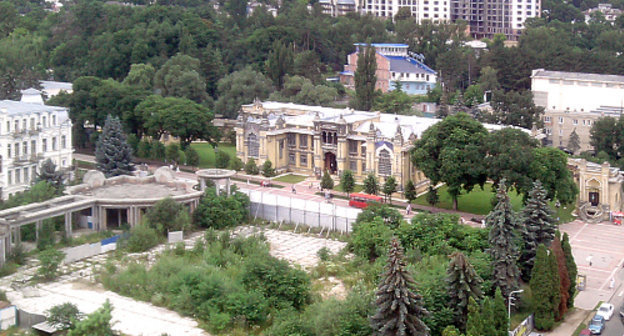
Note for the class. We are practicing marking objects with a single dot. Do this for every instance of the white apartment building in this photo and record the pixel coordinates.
(433, 10)
(30, 133)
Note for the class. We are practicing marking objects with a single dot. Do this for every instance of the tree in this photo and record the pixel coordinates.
(141, 75)
(113, 155)
(545, 288)
(241, 87)
(564, 278)
(279, 63)
(550, 166)
(487, 317)
(236, 164)
(488, 80)
(410, 191)
(371, 184)
(473, 95)
(452, 151)
(463, 283)
(395, 101)
(251, 168)
(404, 13)
(221, 211)
(499, 314)
(181, 77)
(172, 152)
(539, 226)
(267, 169)
(168, 215)
(21, 67)
(192, 157)
(365, 78)
(514, 108)
(347, 182)
(389, 187)
(222, 159)
(503, 225)
(49, 261)
(390, 216)
(370, 238)
(300, 90)
(451, 331)
(157, 150)
(474, 323)
(49, 174)
(97, 323)
(574, 142)
(570, 266)
(399, 308)
(326, 181)
(604, 136)
(64, 316)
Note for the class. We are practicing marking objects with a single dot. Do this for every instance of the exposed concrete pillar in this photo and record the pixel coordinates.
(202, 184)
(227, 186)
(95, 218)
(2, 252)
(103, 218)
(118, 217)
(68, 224)
(38, 225)
(18, 234)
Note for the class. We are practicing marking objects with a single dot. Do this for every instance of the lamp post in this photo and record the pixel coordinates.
(509, 304)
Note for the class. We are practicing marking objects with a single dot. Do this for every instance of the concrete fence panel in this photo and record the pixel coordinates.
(175, 236)
(81, 252)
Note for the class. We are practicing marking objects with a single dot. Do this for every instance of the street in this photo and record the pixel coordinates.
(614, 326)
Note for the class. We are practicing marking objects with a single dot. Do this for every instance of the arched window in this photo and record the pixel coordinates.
(385, 163)
(253, 146)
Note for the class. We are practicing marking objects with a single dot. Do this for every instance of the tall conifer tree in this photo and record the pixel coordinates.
(545, 288)
(365, 78)
(571, 266)
(499, 313)
(463, 283)
(113, 155)
(399, 308)
(564, 278)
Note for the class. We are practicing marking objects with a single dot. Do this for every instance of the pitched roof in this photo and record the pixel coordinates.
(407, 64)
(577, 76)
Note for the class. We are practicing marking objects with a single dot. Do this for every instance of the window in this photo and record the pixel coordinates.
(303, 160)
(63, 141)
(16, 128)
(353, 165)
(583, 122)
(24, 124)
(363, 166)
(25, 147)
(588, 122)
(17, 150)
(32, 123)
(560, 132)
(292, 139)
(385, 163)
(363, 151)
(8, 126)
(10, 177)
(26, 180)
(9, 151)
(561, 120)
(33, 147)
(54, 120)
(253, 145)
(44, 122)
(17, 176)
(281, 148)
(547, 119)
(291, 159)
(575, 122)
(44, 145)
(303, 141)
(353, 147)
(53, 143)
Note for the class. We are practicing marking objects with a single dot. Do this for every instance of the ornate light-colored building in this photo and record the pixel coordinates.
(600, 189)
(30, 133)
(310, 139)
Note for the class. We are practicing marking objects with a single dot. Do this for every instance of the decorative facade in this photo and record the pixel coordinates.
(600, 189)
(30, 133)
(311, 139)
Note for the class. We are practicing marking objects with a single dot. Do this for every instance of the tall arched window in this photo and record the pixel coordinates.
(253, 146)
(385, 163)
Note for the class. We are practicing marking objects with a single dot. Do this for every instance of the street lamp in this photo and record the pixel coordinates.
(509, 304)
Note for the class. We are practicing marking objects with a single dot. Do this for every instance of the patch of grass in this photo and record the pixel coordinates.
(255, 182)
(356, 188)
(579, 329)
(290, 178)
(565, 215)
(207, 154)
(84, 164)
(477, 201)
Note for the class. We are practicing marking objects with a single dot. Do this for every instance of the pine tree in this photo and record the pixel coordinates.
(564, 278)
(502, 237)
(539, 226)
(347, 181)
(371, 185)
(571, 266)
(399, 308)
(389, 188)
(365, 78)
(326, 181)
(279, 63)
(499, 313)
(487, 317)
(544, 288)
(410, 191)
(463, 283)
(113, 155)
(474, 323)
(48, 173)
(574, 142)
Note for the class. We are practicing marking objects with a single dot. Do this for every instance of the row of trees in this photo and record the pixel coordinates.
(460, 152)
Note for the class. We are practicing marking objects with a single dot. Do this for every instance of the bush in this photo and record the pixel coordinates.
(157, 150)
(142, 238)
(251, 167)
(144, 149)
(267, 169)
(236, 164)
(47, 236)
(172, 152)
(326, 181)
(133, 141)
(49, 260)
(370, 240)
(222, 159)
(192, 158)
(391, 216)
(219, 212)
(168, 215)
(181, 157)
(63, 316)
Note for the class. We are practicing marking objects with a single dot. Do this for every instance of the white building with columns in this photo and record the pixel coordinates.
(31, 132)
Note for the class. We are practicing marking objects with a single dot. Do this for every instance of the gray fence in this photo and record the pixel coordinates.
(27, 320)
(314, 214)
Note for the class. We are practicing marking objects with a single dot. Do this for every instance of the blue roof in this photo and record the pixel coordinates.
(407, 65)
(396, 45)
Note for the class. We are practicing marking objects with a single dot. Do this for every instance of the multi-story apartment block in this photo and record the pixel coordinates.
(573, 101)
(338, 7)
(433, 10)
(394, 64)
(488, 17)
(30, 133)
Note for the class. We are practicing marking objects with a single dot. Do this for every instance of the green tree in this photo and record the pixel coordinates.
(399, 308)
(410, 191)
(365, 78)
(241, 87)
(473, 95)
(144, 148)
(267, 169)
(395, 101)
(499, 314)
(451, 331)
(308, 65)
(347, 181)
(545, 288)
(390, 216)
(539, 227)
(141, 75)
(370, 238)
(97, 323)
(236, 164)
(503, 226)
(301, 90)
(432, 196)
(192, 157)
(49, 174)
(221, 211)
(157, 150)
(550, 166)
(574, 142)
(172, 152)
(510, 154)
(571, 267)
(389, 188)
(488, 80)
(404, 13)
(49, 261)
(604, 135)
(371, 184)
(21, 66)
(141, 239)
(47, 235)
(514, 108)
(113, 155)
(487, 317)
(251, 168)
(181, 77)
(222, 159)
(564, 278)
(453, 151)
(168, 215)
(326, 181)
(463, 283)
(279, 63)
(474, 323)
(64, 316)
(10, 18)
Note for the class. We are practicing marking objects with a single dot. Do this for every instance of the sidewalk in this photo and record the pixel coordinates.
(571, 322)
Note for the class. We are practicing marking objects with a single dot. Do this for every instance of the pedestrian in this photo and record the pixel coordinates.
(292, 188)
(408, 209)
(483, 223)
(311, 185)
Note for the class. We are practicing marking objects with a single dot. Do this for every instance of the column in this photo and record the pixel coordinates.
(202, 184)
(118, 217)
(95, 223)
(37, 229)
(18, 234)
(103, 219)
(227, 186)
(68, 224)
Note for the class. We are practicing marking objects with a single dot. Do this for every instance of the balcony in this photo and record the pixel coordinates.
(27, 159)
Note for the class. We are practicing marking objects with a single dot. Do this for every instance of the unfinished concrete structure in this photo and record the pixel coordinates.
(106, 202)
(215, 176)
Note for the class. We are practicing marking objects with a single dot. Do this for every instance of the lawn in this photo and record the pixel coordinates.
(356, 188)
(207, 154)
(290, 178)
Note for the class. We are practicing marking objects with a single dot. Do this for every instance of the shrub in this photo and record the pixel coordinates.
(326, 181)
(133, 141)
(168, 215)
(142, 238)
(219, 212)
(267, 169)
(370, 239)
(157, 150)
(181, 157)
(192, 157)
(49, 260)
(391, 216)
(323, 254)
(63, 316)
(172, 152)
(46, 235)
(222, 159)
(144, 149)
(236, 164)
(251, 167)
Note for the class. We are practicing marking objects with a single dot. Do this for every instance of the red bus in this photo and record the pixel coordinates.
(363, 200)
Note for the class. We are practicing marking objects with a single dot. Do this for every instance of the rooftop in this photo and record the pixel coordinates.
(577, 76)
(12, 107)
(384, 45)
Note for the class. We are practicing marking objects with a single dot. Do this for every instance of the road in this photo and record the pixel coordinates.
(614, 326)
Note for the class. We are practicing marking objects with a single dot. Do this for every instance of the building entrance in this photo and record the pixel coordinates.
(594, 198)
(330, 162)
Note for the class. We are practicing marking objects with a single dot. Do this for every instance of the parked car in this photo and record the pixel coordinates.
(605, 310)
(622, 312)
(597, 325)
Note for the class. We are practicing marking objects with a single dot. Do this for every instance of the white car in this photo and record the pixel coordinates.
(605, 310)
